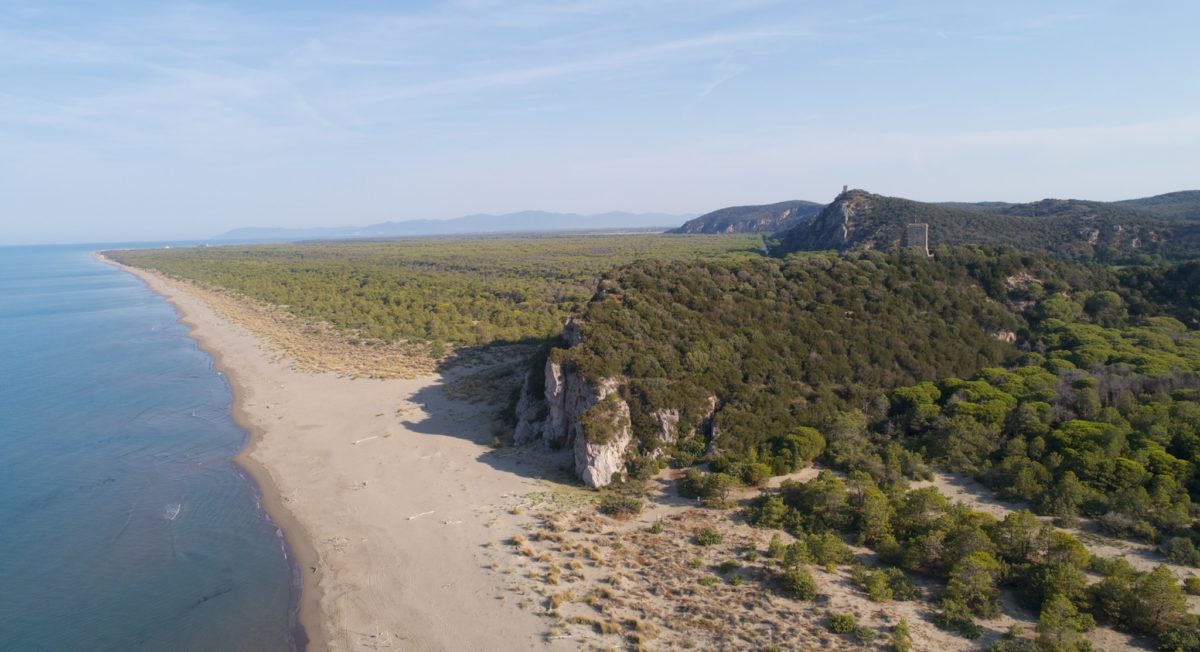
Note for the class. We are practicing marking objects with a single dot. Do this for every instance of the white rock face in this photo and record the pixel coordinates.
(555, 428)
(1005, 336)
(596, 464)
(668, 420)
(553, 417)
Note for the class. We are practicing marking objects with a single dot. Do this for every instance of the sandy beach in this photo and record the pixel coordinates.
(387, 492)
(412, 533)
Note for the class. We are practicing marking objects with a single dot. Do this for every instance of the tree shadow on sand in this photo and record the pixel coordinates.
(474, 399)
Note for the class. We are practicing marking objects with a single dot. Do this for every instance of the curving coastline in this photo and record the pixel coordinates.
(307, 632)
(386, 492)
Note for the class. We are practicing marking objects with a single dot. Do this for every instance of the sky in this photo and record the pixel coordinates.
(154, 120)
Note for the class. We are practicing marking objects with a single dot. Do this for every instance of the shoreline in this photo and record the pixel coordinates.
(392, 503)
(307, 633)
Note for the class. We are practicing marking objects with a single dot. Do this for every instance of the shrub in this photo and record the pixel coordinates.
(1180, 639)
(691, 485)
(902, 588)
(796, 554)
(776, 548)
(1016, 645)
(956, 617)
(864, 634)
(842, 623)
(902, 637)
(655, 528)
(712, 489)
(709, 537)
(767, 512)
(795, 450)
(878, 588)
(755, 474)
(620, 505)
(798, 584)
(828, 549)
(1181, 551)
(1191, 585)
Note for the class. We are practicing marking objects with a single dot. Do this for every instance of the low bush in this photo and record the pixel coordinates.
(842, 623)
(709, 537)
(620, 505)
(798, 584)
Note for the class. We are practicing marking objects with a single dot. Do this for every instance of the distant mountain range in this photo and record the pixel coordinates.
(524, 221)
(1165, 226)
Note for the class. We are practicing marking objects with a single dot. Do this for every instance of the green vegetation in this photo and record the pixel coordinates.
(1086, 407)
(781, 344)
(752, 219)
(467, 291)
(1103, 420)
(1140, 231)
(902, 636)
(797, 583)
(1073, 388)
(709, 537)
(842, 623)
(621, 505)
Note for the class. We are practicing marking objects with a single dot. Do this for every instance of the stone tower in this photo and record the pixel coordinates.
(917, 235)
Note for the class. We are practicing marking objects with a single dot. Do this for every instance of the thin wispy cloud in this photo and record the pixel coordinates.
(725, 72)
(221, 114)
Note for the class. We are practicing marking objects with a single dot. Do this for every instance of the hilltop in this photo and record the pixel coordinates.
(1152, 228)
(752, 219)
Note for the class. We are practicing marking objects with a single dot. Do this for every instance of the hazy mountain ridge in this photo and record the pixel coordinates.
(752, 219)
(523, 221)
(1165, 226)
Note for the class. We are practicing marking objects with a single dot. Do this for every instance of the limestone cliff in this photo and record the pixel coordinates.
(572, 411)
(562, 408)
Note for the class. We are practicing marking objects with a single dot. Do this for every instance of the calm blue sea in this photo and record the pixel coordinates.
(124, 524)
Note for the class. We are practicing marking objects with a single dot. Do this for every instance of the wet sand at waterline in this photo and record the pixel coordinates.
(386, 491)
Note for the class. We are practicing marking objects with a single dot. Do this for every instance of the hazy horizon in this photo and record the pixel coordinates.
(148, 121)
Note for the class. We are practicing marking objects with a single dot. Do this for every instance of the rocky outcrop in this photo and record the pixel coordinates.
(603, 442)
(668, 422)
(590, 418)
(858, 220)
(752, 219)
(1005, 336)
(843, 224)
(555, 416)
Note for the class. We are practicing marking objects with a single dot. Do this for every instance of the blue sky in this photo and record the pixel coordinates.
(140, 120)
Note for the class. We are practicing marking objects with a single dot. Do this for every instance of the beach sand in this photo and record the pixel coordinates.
(386, 490)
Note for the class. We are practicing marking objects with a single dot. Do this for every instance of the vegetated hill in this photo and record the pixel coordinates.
(522, 222)
(776, 344)
(752, 219)
(1073, 393)
(1141, 230)
(1185, 203)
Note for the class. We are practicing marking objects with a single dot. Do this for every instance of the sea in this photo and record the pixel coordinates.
(124, 522)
